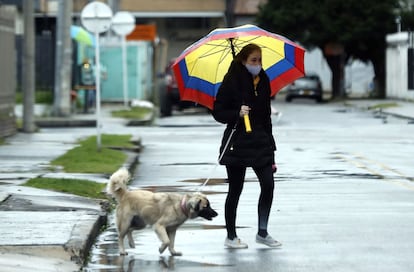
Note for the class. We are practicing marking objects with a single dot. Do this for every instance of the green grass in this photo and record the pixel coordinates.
(86, 158)
(41, 97)
(133, 113)
(79, 187)
(383, 106)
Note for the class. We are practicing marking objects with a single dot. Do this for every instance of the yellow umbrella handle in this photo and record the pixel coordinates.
(247, 123)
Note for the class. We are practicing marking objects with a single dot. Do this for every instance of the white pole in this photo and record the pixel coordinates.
(124, 71)
(98, 91)
(138, 73)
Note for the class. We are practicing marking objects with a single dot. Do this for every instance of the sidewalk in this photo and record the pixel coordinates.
(41, 229)
(53, 231)
(403, 109)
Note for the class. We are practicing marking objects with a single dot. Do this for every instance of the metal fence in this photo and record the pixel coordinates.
(8, 71)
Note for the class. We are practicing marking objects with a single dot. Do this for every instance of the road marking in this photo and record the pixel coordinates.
(375, 168)
(385, 167)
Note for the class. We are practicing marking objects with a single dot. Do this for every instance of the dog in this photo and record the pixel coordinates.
(165, 212)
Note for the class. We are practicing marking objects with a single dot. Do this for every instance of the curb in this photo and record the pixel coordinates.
(145, 121)
(82, 238)
(64, 122)
(381, 111)
(399, 115)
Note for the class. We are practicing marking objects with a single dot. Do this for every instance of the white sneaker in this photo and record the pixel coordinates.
(235, 243)
(268, 241)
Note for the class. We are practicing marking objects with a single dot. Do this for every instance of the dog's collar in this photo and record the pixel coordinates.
(183, 205)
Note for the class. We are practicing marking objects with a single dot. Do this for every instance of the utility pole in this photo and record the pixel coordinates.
(63, 60)
(28, 67)
(114, 5)
(229, 13)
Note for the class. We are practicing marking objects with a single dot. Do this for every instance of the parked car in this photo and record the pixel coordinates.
(309, 86)
(170, 95)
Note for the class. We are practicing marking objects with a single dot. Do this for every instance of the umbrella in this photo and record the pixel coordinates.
(200, 68)
(80, 35)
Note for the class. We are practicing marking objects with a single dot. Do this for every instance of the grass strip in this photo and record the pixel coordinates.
(383, 106)
(78, 187)
(132, 113)
(86, 158)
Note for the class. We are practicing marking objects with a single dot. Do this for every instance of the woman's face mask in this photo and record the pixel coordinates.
(254, 62)
(253, 69)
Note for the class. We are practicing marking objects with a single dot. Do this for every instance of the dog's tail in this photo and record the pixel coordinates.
(117, 184)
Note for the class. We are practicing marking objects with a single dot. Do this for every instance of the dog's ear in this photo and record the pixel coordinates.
(194, 205)
(197, 206)
(117, 186)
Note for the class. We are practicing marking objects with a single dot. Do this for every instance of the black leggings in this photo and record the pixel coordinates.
(236, 175)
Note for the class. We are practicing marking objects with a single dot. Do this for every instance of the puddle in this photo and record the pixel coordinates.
(343, 110)
(162, 263)
(216, 181)
(213, 181)
(188, 163)
(341, 174)
(104, 255)
(337, 174)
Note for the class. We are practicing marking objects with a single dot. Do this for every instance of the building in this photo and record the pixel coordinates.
(177, 23)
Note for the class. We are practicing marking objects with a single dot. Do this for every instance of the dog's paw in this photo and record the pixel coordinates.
(131, 243)
(162, 248)
(176, 253)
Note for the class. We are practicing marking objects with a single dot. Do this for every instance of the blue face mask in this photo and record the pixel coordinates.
(253, 69)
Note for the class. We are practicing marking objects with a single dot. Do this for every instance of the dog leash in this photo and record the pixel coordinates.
(219, 159)
(279, 115)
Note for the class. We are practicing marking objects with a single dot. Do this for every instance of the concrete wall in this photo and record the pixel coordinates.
(50, 6)
(397, 65)
(172, 5)
(8, 71)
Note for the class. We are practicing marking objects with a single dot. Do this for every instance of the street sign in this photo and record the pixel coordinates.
(96, 17)
(123, 23)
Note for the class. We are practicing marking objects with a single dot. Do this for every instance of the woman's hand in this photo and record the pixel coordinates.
(244, 110)
(274, 168)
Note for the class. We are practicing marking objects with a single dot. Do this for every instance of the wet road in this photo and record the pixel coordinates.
(344, 195)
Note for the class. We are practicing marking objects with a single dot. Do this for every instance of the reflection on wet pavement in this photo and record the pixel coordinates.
(104, 255)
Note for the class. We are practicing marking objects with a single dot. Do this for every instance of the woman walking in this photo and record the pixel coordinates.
(245, 91)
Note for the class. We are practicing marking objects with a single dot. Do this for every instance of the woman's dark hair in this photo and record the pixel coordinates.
(246, 51)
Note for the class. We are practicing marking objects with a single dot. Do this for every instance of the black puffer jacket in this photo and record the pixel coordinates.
(254, 149)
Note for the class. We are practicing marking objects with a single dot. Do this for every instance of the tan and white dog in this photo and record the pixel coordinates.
(164, 211)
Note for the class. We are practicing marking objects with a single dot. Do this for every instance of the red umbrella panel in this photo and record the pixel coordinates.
(201, 67)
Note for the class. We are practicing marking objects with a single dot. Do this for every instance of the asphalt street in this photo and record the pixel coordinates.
(54, 232)
(334, 209)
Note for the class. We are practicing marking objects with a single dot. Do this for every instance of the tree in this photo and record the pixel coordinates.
(343, 30)
(406, 18)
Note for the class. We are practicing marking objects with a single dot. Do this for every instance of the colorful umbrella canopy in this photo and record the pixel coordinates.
(200, 68)
(81, 35)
